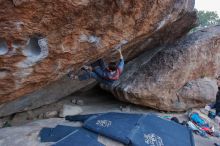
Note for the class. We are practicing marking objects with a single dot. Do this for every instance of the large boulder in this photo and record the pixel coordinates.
(169, 78)
(42, 40)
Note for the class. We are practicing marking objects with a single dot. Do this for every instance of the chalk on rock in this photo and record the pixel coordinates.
(70, 110)
(90, 39)
(119, 46)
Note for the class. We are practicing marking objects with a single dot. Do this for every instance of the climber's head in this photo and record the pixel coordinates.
(112, 66)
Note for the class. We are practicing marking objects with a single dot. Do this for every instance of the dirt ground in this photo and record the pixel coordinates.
(95, 101)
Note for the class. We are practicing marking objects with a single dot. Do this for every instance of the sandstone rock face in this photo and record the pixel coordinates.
(198, 92)
(42, 40)
(158, 82)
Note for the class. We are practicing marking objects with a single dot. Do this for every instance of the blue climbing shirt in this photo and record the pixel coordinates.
(114, 75)
(103, 74)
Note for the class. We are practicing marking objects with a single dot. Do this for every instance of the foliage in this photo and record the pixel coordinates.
(207, 18)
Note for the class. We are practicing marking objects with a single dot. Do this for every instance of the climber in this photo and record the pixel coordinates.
(217, 103)
(102, 73)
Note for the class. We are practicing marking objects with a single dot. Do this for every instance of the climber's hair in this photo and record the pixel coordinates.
(112, 66)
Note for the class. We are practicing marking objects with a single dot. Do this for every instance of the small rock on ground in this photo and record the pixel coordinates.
(70, 110)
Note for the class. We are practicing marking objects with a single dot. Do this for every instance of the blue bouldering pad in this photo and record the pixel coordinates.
(116, 126)
(154, 131)
(69, 136)
(140, 130)
(79, 137)
(55, 134)
(80, 118)
(130, 129)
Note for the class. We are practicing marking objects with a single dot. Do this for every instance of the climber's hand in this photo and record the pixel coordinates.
(87, 68)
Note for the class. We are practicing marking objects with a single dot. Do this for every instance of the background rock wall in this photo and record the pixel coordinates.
(158, 81)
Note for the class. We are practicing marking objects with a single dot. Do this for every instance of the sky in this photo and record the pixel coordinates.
(208, 5)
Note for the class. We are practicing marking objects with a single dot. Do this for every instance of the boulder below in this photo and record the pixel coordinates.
(198, 92)
(162, 81)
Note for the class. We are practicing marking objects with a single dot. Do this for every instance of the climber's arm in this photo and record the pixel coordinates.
(121, 62)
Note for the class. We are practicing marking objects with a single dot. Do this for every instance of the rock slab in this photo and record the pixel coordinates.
(173, 79)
